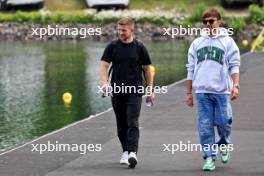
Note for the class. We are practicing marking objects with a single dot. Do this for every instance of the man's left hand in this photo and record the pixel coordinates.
(234, 93)
(151, 98)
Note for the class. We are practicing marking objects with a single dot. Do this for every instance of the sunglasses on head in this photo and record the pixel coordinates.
(211, 21)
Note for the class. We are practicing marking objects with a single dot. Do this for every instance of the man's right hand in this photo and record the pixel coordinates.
(104, 77)
(106, 88)
(189, 100)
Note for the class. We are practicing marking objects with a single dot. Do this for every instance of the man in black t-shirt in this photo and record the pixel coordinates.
(129, 58)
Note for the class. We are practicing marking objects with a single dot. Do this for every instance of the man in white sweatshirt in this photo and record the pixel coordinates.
(213, 73)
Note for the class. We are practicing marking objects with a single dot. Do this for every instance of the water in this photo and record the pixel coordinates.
(34, 75)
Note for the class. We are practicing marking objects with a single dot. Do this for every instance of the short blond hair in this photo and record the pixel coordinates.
(126, 21)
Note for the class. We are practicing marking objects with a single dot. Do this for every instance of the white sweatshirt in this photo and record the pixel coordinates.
(211, 62)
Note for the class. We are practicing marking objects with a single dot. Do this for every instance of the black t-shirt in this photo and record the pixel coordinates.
(127, 60)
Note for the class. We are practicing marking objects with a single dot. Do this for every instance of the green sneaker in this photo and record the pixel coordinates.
(225, 156)
(209, 164)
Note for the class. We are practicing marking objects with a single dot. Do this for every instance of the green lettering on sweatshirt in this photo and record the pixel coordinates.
(210, 53)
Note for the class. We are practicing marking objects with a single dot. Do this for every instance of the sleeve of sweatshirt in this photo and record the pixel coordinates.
(233, 57)
(191, 62)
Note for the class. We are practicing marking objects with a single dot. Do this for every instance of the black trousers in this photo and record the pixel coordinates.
(127, 110)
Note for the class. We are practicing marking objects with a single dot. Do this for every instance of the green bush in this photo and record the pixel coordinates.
(237, 23)
(256, 14)
(20, 17)
(75, 19)
(198, 13)
(196, 16)
(181, 7)
(36, 18)
(5, 17)
(58, 18)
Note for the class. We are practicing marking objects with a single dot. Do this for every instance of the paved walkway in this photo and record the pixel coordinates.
(168, 122)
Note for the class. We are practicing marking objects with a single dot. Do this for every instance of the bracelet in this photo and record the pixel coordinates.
(189, 93)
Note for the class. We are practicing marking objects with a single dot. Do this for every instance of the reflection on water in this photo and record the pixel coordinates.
(34, 75)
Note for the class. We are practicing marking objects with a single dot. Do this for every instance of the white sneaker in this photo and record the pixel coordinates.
(124, 158)
(132, 159)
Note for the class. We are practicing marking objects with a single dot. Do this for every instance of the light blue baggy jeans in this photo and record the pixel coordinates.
(214, 110)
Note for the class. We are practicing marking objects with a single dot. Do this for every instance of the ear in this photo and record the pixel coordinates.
(132, 29)
(220, 22)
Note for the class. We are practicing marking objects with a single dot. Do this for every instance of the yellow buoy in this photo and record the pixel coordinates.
(245, 43)
(152, 70)
(67, 97)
